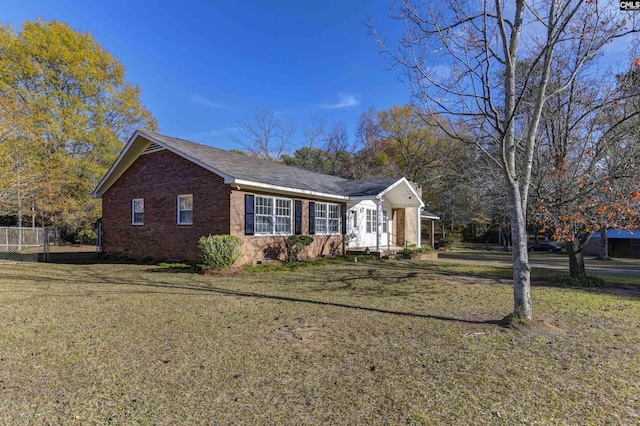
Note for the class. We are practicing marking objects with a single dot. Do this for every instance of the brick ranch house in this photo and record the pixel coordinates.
(163, 193)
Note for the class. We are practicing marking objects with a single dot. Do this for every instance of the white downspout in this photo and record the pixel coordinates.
(378, 224)
(419, 226)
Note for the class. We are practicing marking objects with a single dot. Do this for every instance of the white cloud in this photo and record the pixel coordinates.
(204, 101)
(345, 100)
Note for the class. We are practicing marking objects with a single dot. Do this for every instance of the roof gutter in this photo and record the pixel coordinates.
(283, 189)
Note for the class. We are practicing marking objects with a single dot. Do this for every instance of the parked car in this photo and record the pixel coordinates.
(550, 247)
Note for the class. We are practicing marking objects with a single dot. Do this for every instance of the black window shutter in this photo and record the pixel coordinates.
(248, 214)
(312, 218)
(343, 218)
(298, 218)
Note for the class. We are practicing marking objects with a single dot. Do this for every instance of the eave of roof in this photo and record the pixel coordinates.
(428, 215)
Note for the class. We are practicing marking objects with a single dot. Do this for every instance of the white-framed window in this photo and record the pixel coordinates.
(273, 216)
(321, 218)
(327, 218)
(355, 219)
(264, 215)
(185, 209)
(385, 222)
(372, 221)
(283, 216)
(137, 211)
(333, 221)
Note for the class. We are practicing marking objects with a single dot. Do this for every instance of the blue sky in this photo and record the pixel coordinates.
(202, 65)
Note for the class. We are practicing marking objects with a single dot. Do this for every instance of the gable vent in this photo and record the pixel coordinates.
(153, 147)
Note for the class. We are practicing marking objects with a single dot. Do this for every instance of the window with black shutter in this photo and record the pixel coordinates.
(312, 218)
(298, 217)
(248, 214)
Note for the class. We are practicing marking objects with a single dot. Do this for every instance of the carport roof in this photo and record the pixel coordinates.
(623, 234)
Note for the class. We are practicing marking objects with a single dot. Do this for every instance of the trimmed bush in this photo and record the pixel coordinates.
(219, 251)
(294, 245)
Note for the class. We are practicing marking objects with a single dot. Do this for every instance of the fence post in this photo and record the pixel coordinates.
(99, 237)
(45, 254)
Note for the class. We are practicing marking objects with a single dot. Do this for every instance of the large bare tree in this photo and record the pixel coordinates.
(486, 64)
(264, 134)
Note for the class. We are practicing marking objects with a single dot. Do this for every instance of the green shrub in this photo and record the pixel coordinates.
(294, 245)
(449, 242)
(588, 281)
(86, 236)
(219, 251)
(410, 250)
(423, 249)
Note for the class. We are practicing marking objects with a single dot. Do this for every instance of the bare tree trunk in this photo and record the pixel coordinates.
(604, 241)
(20, 231)
(576, 260)
(504, 231)
(521, 268)
(452, 225)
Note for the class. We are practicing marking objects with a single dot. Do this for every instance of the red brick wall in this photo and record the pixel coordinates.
(159, 178)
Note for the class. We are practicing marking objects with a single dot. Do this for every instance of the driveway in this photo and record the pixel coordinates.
(545, 260)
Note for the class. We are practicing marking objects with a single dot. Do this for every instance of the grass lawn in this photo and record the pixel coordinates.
(385, 342)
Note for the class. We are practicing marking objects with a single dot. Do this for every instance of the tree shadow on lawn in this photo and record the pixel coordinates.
(540, 277)
(99, 279)
(389, 273)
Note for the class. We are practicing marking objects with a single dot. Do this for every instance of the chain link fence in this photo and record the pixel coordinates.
(19, 244)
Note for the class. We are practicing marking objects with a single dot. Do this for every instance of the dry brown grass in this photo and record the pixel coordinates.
(354, 343)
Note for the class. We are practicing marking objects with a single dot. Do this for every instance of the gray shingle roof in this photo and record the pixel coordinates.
(243, 167)
(366, 187)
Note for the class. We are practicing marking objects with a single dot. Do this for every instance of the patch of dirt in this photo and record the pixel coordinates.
(305, 338)
(541, 328)
(72, 248)
(624, 290)
(223, 272)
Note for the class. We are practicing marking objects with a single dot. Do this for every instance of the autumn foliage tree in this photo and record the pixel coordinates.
(65, 111)
(587, 168)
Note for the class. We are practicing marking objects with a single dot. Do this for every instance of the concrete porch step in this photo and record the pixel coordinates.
(392, 252)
